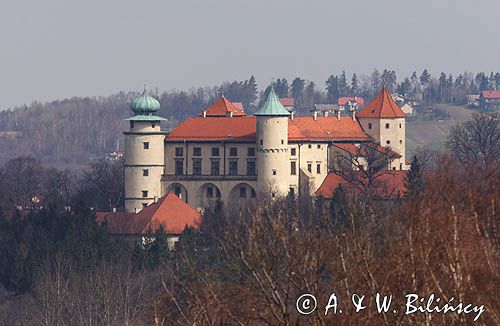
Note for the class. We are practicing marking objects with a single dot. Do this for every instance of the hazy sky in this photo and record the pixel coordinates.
(54, 49)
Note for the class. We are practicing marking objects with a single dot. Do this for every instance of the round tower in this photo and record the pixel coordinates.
(272, 148)
(144, 154)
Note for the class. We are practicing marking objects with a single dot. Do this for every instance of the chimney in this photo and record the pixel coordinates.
(315, 115)
(292, 115)
(231, 114)
(136, 210)
(325, 113)
(338, 114)
(114, 209)
(204, 114)
(353, 112)
(155, 199)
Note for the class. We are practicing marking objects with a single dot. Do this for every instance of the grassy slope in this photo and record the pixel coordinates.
(434, 133)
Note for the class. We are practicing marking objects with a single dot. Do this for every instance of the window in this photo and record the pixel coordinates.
(144, 193)
(131, 124)
(293, 151)
(292, 192)
(399, 125)
(318, 168)
(386, 126)
(400, 141)
(309, 167)
(210, 192)
(215, 167)
(243, 192)
(197, 151)
(309, 146)
(261, 142)
(274, 172)
(179, 151)
(233, 151)
(253, 193)
(401, 166)
(293, 168)
(319, 146)
(362, 167)
(179, 167)
(282, 142)
(145, 145)
(388, 142)
(145, 172)
(370, 125)
(273, 194)
(251, 151)
(251, 168)
(153, 125)
(215, 151)
(177, 191)
(233, 168)
(197, 167)
(144, 205)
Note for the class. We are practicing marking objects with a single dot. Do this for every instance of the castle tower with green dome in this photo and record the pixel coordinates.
(272, 148)
(144, 153)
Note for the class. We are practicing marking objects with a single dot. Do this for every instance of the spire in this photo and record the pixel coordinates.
(382, 106)
(272, 106)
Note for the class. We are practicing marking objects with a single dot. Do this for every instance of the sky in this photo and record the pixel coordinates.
(55, 49)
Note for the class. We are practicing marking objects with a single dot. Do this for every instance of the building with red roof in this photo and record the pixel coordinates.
(223, 154)
(288, 103)
(169, 212)
(489, 99)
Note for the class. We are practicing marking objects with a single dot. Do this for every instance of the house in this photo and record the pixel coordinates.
(288, 103)
(169, 212)
(407, 109)
(489, 99)
(350, 103)
(473, 99)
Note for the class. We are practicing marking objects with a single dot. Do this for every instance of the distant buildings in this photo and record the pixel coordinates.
(288, 103)
(489, 99)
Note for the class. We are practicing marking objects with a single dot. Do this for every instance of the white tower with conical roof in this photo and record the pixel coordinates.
(144, 154)
(272, 148)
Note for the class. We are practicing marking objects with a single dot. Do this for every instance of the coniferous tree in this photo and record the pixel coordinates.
(354, 85)
(414, 179)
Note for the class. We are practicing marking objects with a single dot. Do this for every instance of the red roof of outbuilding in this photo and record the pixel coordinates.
(222, 107)
(287, 101)
(244, 128)
(490, 94)
(389, 184)
(360, 150)
(169, 211)
(344, 100)
(382, 106)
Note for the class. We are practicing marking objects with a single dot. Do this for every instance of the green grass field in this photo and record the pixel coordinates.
(433, 134)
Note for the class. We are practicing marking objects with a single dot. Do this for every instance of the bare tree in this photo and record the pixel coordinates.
(477, 142)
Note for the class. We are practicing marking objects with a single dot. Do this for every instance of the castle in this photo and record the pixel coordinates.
(223, 154)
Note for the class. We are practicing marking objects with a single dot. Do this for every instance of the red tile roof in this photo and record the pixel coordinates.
(169, 211)
(244, 128)
(344, 100)
(490, 94)
(360, 150)
(238, 105)
(287, 101)
(222, 107)
(382, 106)
(390, 184)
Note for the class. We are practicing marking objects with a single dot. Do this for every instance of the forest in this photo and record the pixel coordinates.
(58, 266)
(69, 133)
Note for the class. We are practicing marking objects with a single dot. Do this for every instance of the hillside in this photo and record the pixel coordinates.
(433, 133)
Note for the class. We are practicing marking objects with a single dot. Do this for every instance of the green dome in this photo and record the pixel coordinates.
(145, 104)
